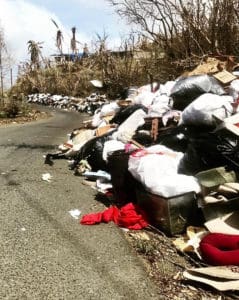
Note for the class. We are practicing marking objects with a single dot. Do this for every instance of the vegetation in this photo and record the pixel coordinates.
(5, 62)
(173, 35)
(185, 28)
(117, 70)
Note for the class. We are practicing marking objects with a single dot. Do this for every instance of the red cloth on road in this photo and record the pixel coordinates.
(220, 249)
(129, 216)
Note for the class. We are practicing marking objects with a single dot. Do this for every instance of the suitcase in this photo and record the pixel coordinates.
(171, 215)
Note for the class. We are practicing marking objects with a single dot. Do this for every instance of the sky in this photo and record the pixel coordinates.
(24, 20)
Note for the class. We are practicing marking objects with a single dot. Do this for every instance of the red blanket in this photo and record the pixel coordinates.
(129, 216)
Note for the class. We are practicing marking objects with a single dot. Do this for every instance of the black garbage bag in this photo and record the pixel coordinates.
(228, 146)
(92, 152)
(188, 89)
(203, 153)
(143, 137)
(174, 138)
(125, 112)
(122, 180)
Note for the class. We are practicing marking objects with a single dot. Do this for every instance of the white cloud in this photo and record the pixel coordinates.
(91, 3)
(23, 21)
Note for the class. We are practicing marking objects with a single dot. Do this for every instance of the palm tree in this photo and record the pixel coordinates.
(34, 49)
(73, 40)
(59, 37)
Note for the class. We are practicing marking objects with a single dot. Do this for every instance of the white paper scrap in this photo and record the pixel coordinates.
(46, 177)
(75, 213)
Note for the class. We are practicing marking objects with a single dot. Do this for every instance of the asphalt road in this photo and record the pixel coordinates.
(45, 253)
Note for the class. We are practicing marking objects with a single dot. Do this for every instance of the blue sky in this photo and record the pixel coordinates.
(24, 20)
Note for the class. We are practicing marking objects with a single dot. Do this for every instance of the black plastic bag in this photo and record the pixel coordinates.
(203, 153)
(92, 151)
(228, 146)
(174, 138)
(188, 89)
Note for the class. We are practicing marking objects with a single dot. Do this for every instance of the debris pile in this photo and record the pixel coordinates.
(171, 151)
(87, 105)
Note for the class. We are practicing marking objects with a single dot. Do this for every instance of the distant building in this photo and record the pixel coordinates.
(58, 58)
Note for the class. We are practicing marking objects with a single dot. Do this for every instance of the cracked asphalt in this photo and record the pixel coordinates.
(45, 253)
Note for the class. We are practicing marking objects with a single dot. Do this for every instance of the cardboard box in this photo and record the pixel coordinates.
(224, 77)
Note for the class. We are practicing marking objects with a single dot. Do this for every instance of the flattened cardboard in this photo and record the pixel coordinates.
(224, 77)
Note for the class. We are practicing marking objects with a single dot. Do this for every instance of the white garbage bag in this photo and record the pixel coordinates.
(156, 168)
(111, 146)
(130, 125)
(109, 109)
(202, 110)
(145, 98)
(234, 89)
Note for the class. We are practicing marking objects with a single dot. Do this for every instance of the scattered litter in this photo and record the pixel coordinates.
(96, 175)
(75, 213)
(47, 177)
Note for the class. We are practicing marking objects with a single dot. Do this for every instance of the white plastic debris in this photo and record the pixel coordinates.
(75, 213)
(111, 146)
(46, 177)
(234, 89)
(99, 174)
(131, 124)
(102, 186)
(97, 83)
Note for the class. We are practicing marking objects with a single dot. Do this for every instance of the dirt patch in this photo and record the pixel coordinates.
(165, 266)
(33, 115)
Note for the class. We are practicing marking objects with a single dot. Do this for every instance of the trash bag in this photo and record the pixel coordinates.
(187, 89)
(125, 112)
(92, 151)
(204, 152)
(228, 147)
(203, 109)
(143, 137)
(175, 139)
(156, 168)
(233, 89)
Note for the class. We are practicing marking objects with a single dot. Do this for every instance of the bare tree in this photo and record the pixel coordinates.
(5, 61)
(185, 28)
(2, 48)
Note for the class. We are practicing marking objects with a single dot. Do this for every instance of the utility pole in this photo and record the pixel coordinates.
(1, 69)
(11, 77)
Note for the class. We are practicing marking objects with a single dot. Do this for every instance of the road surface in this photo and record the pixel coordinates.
(45, 253)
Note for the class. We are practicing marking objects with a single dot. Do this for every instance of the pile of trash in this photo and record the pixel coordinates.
(88, 105)
(170, 155)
